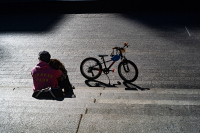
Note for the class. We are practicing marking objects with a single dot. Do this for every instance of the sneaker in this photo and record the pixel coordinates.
(73, 96)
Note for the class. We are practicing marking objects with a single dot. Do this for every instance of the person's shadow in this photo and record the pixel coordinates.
(129, 86)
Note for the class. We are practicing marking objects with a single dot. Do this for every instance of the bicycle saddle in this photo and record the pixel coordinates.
(102, 55)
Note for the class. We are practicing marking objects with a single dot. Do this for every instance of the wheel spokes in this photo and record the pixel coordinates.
(91, 67)
(126, 71)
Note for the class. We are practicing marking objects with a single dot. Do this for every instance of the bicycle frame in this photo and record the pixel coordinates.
(91, 68)
(104, 62)
(107, 69)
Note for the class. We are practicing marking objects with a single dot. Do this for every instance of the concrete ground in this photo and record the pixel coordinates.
(164, 98)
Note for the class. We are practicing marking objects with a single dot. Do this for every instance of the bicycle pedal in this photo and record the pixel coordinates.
(113, 70)
(100, 71)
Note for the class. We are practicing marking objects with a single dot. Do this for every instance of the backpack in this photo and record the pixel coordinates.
(48, 93)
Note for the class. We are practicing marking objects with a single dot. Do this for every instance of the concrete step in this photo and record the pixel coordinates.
(97, 91)
(18, 109)
(107, 95)
(115, 123)
(69, 106)
(27, 92)
(69, 102)
(31, 99)
(149, 101)
(148, 96)
(144, 109)
(152, 90)
(35, 122)
(172, 99)
(86, 97)
(101, 110)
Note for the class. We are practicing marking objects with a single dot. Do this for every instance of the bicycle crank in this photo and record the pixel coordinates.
(106, 70)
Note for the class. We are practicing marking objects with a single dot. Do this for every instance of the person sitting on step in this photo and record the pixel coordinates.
(63, 81)
(43, 75)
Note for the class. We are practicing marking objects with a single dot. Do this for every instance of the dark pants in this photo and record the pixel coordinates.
(65, 84)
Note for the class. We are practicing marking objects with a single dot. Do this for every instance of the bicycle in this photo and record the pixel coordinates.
(91, 68)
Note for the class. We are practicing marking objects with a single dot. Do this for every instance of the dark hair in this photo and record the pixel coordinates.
(56, 64)
(44, 56)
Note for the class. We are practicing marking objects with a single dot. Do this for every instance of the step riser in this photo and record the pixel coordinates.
(138, 124)
(156, 102)
(150, 111)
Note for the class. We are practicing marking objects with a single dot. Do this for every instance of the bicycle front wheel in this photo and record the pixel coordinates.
(91, 68)
(128, 71)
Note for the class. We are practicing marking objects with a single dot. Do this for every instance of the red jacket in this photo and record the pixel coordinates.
(44, 76)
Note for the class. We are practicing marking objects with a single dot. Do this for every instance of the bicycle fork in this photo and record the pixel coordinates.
(125, 65)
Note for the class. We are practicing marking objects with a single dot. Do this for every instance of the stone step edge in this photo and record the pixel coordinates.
(129, 102)
(119, 90)
(106, 88)
(155, 102)
(101, 105)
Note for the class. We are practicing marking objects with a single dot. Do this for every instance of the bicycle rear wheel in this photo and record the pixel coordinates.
(128, 71)
(91, 68)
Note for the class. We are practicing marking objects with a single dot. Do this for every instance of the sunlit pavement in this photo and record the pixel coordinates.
(164, 46)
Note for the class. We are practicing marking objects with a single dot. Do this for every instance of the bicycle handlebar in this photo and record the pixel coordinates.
(119, 48)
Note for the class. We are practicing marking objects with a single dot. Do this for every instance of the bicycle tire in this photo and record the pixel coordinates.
(132, 72)
(93, 71)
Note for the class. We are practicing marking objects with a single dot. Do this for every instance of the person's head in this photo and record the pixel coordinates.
(56, 64)
(44, 56)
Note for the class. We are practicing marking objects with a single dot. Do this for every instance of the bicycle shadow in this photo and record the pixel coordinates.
(96, 83)
(129, 86)
(134, 87)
